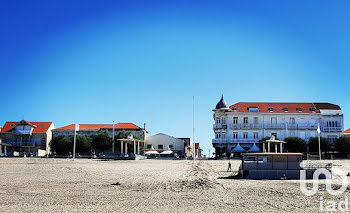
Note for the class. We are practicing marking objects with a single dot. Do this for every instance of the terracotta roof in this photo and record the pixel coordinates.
(40, 127)
(100, 126)
(327, 106)
(347, 131)
(275, 107)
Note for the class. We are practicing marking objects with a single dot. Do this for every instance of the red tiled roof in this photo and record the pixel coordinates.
(347, 131)
(100, 126)
(277, 107)
(40, 127)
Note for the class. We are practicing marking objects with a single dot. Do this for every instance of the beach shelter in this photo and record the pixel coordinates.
(254, 148)
(152, 152)
(238, 148)
(167, 152)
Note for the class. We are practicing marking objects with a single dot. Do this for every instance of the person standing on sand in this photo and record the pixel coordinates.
(229, 167)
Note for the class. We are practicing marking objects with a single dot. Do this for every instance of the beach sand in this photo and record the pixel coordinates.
(85, 185)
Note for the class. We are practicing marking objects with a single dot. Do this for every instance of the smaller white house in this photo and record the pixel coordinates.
(162, 143)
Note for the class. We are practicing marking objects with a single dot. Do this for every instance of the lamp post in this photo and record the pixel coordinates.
(76, 128)
(319, 140)
(113, 139)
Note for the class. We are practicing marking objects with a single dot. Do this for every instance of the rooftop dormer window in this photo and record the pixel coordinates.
(299, 109)
(235, 108)
(285, 109)
(12, 125)
(312, 109)
(270, 109)
(42, 125)
(253, 109)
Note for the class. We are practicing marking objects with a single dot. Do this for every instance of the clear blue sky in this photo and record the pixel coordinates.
(142, 61)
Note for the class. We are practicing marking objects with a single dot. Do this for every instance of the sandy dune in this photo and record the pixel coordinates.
(63, 185)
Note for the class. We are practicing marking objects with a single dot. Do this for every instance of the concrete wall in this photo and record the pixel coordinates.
(165, 140)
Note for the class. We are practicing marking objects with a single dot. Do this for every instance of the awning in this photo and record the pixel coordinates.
(167, 152)
(153, 152)
(254, 148)
(238, 148)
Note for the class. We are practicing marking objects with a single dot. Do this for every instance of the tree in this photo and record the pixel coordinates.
(342, 145)
(102, 141)
(313, 144)
(83, 144)
(124, 134)
(61, 145)
(295, 144)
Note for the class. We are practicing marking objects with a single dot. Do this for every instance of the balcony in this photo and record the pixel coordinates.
(332, 129)
(302, 126)
(219, 126)
(245, 126)
(274, 126)
(239, 140)
(23, 131)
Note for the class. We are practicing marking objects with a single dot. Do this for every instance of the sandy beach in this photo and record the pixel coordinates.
(84, 185)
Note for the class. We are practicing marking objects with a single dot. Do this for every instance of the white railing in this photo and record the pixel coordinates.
(219, 126)
(239, 140)
(245, 126)
(331, 129)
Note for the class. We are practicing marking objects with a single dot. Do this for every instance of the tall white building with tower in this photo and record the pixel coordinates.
(243, 124)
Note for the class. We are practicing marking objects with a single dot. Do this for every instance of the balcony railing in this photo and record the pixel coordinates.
(220, 126)
(274, 126)
(23, 132)
(245, 126)
(242, 140)
(331, 129)
(302, 126)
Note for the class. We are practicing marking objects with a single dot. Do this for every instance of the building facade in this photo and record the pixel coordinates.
(162, 142)
(92, 129)
(245, 123)
(25, 137)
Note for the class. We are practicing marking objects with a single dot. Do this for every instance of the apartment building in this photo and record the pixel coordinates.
(26, 137)
(245, 123)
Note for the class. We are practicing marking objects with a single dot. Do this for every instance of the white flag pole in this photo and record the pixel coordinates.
(75, 139)
(319, 140)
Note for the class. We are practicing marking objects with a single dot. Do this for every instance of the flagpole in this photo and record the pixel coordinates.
(113, 139)
(74, 141)
(319, 140)
(194, 144)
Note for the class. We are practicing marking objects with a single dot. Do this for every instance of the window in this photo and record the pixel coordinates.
(292, 120)
(149, 146)
(256, 120)
(218, 121)
(223, 120)
(253, 109)
(218, 135)
(256, 135)
(285, 109)
(235, 120)
(245, 135)
(299, 109)
(312, 109)
(245, 120)
(235, 135)
(235, 108)
(332, 138)
(171, 146)
(160, 146)
(274, 120)
(223, 135)
(270, 109)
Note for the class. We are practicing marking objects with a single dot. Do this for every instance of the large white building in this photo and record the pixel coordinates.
(245, 123)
